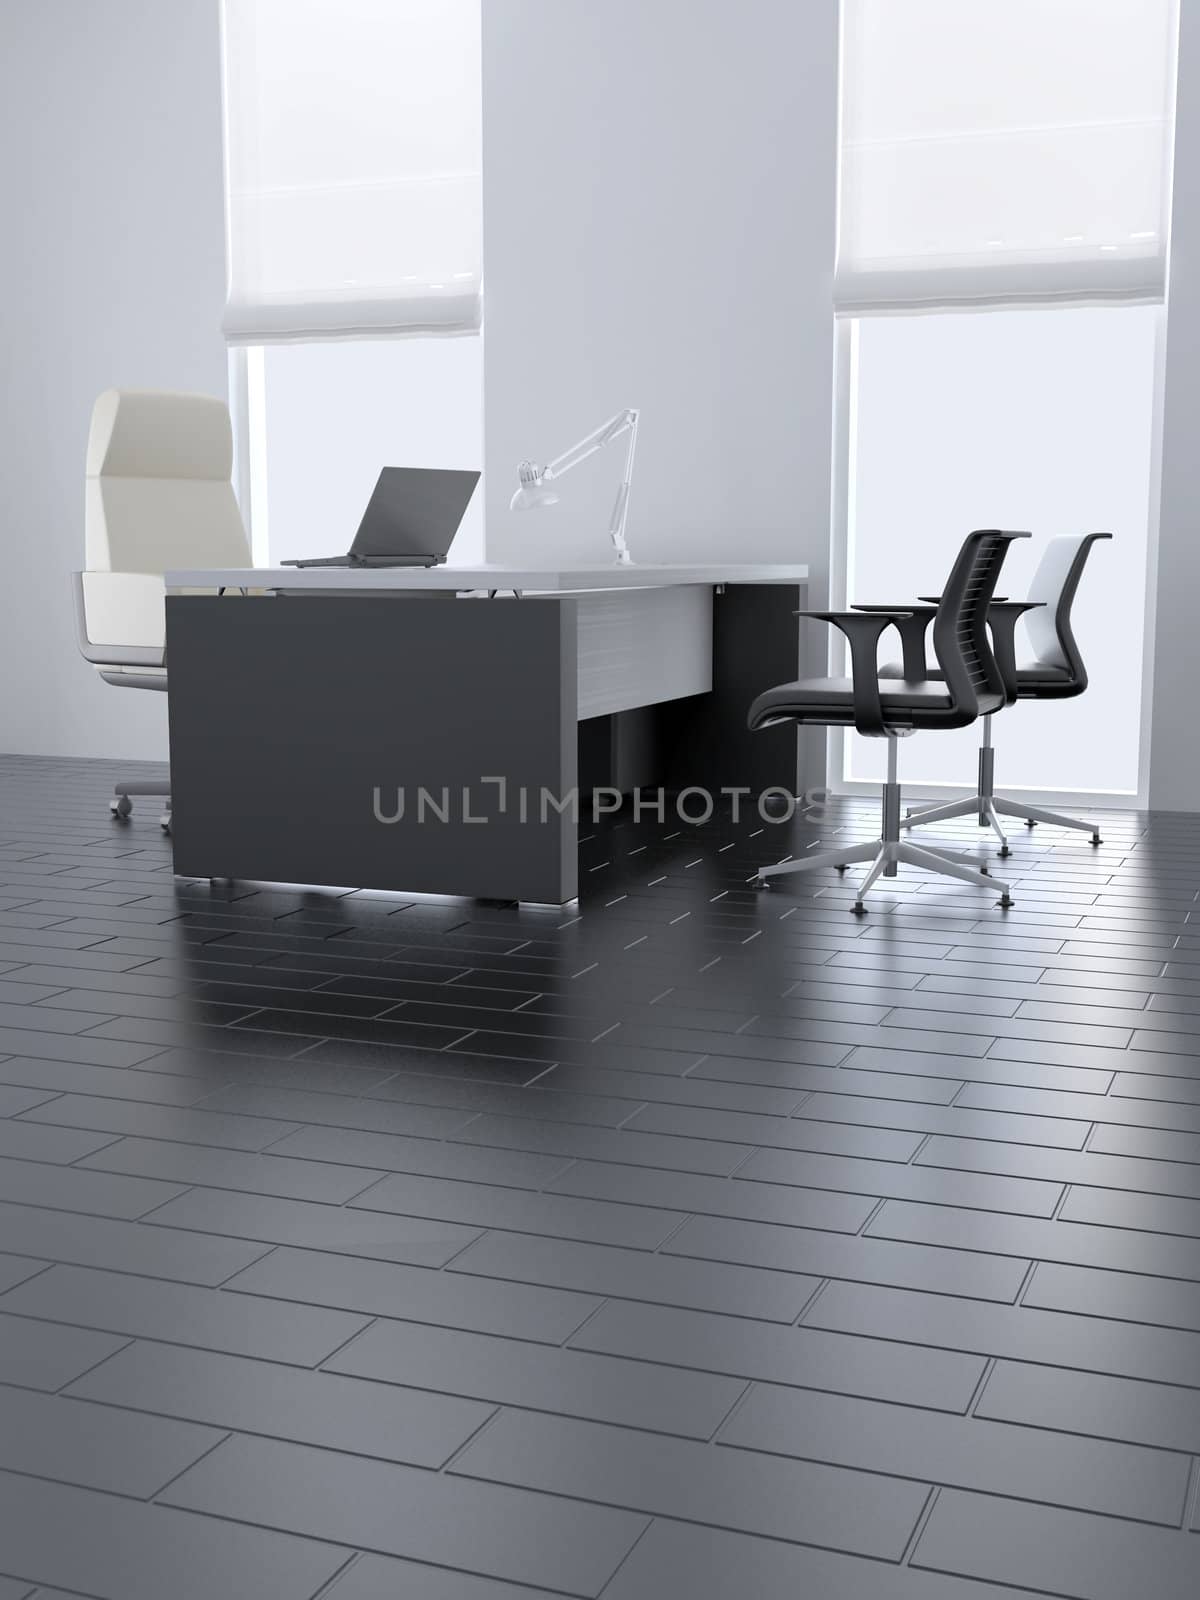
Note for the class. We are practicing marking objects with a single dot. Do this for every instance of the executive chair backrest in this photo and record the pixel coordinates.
(1054, 585)
(158, 495)
(960, 633)
(159, 490)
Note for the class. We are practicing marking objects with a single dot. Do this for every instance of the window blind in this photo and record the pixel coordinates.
(353, 168)
(1003, 151)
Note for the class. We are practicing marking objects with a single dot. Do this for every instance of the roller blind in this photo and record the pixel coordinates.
(1003, 151)
(353, 168)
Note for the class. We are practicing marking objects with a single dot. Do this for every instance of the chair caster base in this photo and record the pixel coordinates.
(842, 868)
(858, 909)
(760, 883)
(1096, 839)
(984, 871)
(1004, 853)
(1005, 901)
(1030, 824)
(164, 822)
(121, 807)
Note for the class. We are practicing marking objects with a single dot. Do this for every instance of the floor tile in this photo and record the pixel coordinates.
(317, 1408)
(866, 1513)
(315, 1227)
(570, 1382)
(210, 1319)
(96, 1447)
(1063, 1552)
(638, 1275)
(125, 1549)
(48, 1355)
(1119, 1480)
(809, 1357)
(516, 1310)
(710, 1564)
(494, 1530)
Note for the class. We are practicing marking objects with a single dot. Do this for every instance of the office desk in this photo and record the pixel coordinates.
(337, 726)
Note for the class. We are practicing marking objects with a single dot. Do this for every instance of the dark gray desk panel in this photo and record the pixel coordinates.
(287, 713)
(704, 739)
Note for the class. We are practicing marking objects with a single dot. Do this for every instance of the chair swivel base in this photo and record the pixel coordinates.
(121, 805)
(990, 808)
(885, 855)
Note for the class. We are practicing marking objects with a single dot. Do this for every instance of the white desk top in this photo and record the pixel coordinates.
(533, 580)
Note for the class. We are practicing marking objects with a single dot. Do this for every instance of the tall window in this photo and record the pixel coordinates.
(355, 259)
(1003, 222)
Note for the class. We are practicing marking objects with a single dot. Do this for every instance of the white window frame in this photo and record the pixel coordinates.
(247, 409)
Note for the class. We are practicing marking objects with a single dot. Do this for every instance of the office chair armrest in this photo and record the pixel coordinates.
(111, 655)
(863, 632)
(1003, 616)
(912, 630)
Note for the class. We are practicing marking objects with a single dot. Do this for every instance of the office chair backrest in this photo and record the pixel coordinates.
(159, 491)
(1054, 584)
(960, 634)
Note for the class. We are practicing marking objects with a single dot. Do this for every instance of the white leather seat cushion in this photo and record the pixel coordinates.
(125, 608)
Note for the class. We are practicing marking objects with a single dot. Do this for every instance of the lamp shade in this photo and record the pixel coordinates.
(530, 496)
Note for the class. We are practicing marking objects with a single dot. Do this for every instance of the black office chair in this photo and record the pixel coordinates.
(1056, 672)
(969, 686)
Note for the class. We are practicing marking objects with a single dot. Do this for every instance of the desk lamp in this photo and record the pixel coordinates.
(533, 490)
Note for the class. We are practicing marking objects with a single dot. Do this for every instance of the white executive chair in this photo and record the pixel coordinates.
(159, 496)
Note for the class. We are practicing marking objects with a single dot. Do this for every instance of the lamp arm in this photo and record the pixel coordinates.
(620, 511)
(607, 431)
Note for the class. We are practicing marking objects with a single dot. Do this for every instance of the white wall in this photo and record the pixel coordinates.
(658, 223)
(1174, 741)
(113, 274)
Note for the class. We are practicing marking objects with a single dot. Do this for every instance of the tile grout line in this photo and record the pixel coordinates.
(226, 1435)
(922, 1522)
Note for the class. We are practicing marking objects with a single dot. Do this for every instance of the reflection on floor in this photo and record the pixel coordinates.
(690, 1242)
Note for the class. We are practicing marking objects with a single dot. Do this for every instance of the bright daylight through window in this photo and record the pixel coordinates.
(1037, 420)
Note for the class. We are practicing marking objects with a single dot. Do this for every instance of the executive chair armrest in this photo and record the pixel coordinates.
(912, 629)
(113, 655)
(863, 632)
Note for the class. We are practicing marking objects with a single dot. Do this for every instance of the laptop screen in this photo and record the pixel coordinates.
(414, 511)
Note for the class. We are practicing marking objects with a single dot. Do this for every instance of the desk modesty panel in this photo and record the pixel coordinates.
(299, 716)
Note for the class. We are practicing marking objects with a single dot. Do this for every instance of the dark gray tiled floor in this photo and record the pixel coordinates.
(688, 1242)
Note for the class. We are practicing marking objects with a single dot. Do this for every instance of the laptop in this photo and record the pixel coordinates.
(410, 520)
